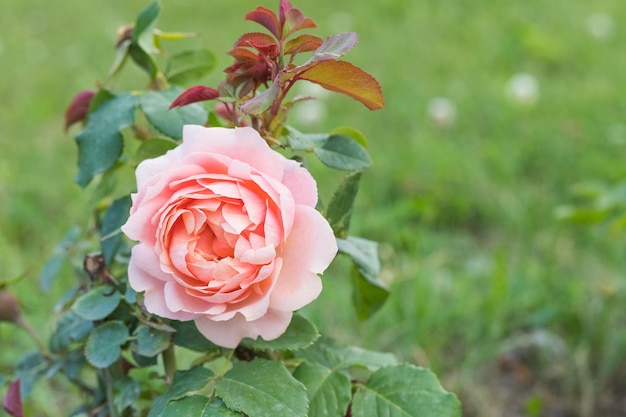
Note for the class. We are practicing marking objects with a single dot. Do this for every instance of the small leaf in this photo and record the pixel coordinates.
(143, 59)
(190, 65)
(334, 47)
(28, 370)
(364, 253)
(120, 57)
(78, 108)
(195, 95)
(170, 122)
(368, 296)
(142, 32)
(100, 143)
(115, 216)
(188, 336)
(329, 391)
(265, 18)
(404, 391)
(341, 152)
(302, 43)
(59, 254)
(339, 210)
(185, 382)
(257, 40)
(199, 406)
(294, 21)
(262, 387)
(12, 401)
(154, 147)
(97, 303)
(300, 334)
(261, 102)
(299, 141)
(174, 36)
(126, 391)
(345, 78)
(70, 328)
(150, 342)
(103, 344)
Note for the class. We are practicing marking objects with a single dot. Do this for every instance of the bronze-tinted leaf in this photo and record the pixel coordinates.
(302, 43)
(78, 108)
(194, 95)
(265, 18)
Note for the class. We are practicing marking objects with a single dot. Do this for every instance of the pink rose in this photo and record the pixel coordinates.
(228, 235)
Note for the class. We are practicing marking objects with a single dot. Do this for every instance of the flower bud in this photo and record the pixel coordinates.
(9, 307)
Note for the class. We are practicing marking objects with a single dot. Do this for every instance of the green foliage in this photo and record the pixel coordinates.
(329, 390)
(115, 216)
(103, 345)
(301, 333)
(155, 105)
(342, 152)
(98, 303)
(190, 65)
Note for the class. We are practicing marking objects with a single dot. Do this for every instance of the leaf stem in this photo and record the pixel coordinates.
(169, 363)
(107, 380)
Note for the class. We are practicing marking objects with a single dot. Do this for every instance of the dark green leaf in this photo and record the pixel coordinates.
(299, 141)
(404, 391)
(339, 209)
(199, 406)
(368, 296)
(300, 334)
(70, 328)
(364, 253)
(153, 148)
(151, 342)
(329, 391)
(126, 391)
(190, 65)
(329, 353)
(100, 143)
(143, 59)
(98, 303)
(143, 31)
(185, 382)
(59, 254)
(115, 216)
(103, 344)
(188, 336)
(343, 152)
(155, 104)
(262, 388)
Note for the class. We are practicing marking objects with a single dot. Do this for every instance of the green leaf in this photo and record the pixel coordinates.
(364, 253)
(329, 391)
(120, 58)
(188, 336)
(342, 152)
(329, 353)
(144, 25)
(153, 148)
(59, 254)
(299, 141)
(155, 104)
(70, 328)
(115, 216)
(185, 382)
(151, 342)
(143, 59)
(103, 344)
(100, 143)
(126, 391)
(97, 303)
(352, 133)
(189, 65)
(300, 334)
(404, 391)
(199, 406)
(345, 78)
(262, 388)
(339, 210)
(28, 370)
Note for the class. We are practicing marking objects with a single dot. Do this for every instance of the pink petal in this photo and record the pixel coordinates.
(144, 269)
(309, 249)
(301, 184)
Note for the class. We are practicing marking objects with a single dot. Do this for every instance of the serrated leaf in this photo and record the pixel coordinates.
(329, 353)
(294, 20)
(100, 143)
(257, 40)
(70, 328)
(339, 210)
(345, 78)
(103, 344)
(302, 43)
(59, 254)
(299, 334)
(185, 382)
(262, 101)
(154, 147)
(115, 216)
(329, 391)
(188, 336)
(342, 152)
(126, 391)
(262, 388)
(150, 342)
(156, 106)
(265, 18)
(299, 141)
(199, 406)
(334, 47)
(97, 303)
(190, 65)
(404, 391)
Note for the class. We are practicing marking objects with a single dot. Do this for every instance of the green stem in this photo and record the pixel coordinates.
(107, 380)
(169, 363)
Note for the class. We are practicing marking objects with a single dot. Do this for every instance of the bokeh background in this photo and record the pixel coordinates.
(495, 111)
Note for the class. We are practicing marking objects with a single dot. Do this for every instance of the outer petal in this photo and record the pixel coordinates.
(301, 184)
(309, 249)
(144, 270)
(230, 332)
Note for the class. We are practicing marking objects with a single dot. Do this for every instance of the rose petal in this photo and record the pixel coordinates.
(144, 271)
(301, 184)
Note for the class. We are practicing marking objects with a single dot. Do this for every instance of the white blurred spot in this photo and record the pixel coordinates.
(36, 51)
(441, 111)
(600, 25)
(340, 22)
(309, 89)
(309, 113)
(523, 89)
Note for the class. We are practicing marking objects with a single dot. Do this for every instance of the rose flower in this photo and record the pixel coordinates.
(228, 235)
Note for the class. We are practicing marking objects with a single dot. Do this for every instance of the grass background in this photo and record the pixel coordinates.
(518, 313)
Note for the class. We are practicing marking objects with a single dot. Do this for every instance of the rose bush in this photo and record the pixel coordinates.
(228, 235)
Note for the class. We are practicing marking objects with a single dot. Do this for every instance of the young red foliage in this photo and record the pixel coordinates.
(195, 95)
(12, 401)
(78, 108)
(267, 19)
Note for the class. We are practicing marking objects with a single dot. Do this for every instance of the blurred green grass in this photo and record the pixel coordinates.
(471, 248)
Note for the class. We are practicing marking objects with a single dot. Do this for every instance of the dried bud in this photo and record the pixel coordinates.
(9, 308)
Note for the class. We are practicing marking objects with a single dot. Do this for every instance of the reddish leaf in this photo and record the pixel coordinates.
(284, 8)
(295, 20)
(265, 18)
(78, 108)
(243, 55)
(262, 101)
(345, 78)
(12, 401)
(194, 95)
(259, 41)
(303, 43)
